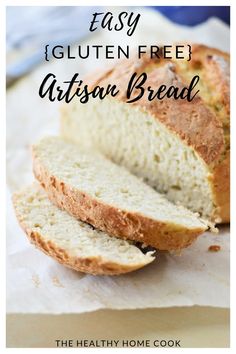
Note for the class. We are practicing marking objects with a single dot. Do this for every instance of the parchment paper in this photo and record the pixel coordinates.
(36, 283)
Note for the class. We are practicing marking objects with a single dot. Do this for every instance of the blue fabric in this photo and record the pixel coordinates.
(193, 15)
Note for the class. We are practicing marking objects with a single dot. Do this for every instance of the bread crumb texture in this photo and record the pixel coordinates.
(73, 242)
(94, 189)
(180, 148)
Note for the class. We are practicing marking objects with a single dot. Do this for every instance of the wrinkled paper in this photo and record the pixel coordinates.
(38, 284)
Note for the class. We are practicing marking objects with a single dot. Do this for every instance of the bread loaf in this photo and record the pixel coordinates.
(71, 242)
(95, 190)
(180, 148)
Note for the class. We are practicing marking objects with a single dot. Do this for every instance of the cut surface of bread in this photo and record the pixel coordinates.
(71, 242)
(95, 190)
(180, 148)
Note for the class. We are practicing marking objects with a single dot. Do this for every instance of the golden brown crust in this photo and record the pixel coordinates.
(91, 265)
(202, 123)
(216, 74)
(186, 119)
(116, 222)
(220, 182)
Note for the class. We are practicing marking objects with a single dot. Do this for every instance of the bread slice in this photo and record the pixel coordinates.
(95, 190)
(71, 242)
(180, 148)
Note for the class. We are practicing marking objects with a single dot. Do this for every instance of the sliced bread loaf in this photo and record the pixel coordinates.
(72, 242)
(180, 148)
(107, 196)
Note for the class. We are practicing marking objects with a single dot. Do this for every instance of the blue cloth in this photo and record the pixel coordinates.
(193, 15)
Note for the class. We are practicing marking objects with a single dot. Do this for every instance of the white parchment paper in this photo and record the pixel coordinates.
(38, 284)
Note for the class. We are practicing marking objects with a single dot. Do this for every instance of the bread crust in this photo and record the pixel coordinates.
(91, 265)
(220, 182)
(197, 125)
(116, 222)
